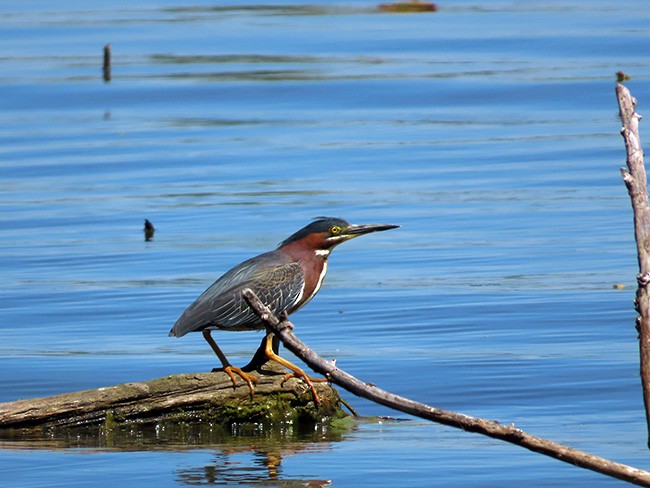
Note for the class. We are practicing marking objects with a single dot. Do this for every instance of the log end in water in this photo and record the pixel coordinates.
(187, 398)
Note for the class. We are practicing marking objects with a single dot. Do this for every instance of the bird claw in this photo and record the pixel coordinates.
(248, 378)
(307, 379)
(303, 377)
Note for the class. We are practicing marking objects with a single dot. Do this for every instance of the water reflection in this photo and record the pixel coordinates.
(279, 10)
(249, 454)
(233, 466)
(174, 435)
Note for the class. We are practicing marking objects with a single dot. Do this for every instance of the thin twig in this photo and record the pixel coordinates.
(509, 433)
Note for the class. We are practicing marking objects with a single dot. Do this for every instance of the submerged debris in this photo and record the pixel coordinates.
(149, 230)
(408, 7)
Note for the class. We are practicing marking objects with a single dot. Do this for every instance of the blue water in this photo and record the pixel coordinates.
(488, 131)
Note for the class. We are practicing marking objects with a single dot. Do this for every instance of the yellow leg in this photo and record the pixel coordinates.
(227, 367)
(296, 371)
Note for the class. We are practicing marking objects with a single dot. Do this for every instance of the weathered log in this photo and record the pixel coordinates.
(508, 433)
(193, 397)
(635, 180)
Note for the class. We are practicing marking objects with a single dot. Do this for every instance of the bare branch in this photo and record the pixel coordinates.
(509, 433)
(635, 180)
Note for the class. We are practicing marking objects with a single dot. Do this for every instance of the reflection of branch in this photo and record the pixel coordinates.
(508, 433)
(636, 182)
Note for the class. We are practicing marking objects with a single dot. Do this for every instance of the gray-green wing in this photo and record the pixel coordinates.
(273, 276)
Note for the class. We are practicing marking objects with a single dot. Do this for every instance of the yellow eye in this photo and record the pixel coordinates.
(335, 230)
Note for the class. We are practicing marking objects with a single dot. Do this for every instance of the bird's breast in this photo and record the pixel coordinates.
(314, 267)
(313, 284)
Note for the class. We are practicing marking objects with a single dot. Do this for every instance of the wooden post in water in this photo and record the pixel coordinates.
(107, 63)
(635, 180)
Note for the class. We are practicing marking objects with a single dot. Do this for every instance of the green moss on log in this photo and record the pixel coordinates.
(188, 398)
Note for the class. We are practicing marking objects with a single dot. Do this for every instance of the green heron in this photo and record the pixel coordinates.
(284, 279)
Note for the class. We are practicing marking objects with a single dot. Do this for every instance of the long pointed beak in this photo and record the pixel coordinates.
(361, 229)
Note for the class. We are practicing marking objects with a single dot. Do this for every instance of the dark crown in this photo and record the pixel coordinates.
(319, 225)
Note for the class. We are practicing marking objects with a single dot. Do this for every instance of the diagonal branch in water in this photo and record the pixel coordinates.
(283, 329)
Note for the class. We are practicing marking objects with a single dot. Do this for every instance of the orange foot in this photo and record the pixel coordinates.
(300, 374)
(233, 370)
(304, 376)
(296, 372)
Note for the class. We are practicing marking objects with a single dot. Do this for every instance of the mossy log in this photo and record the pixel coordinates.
(195, 397)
